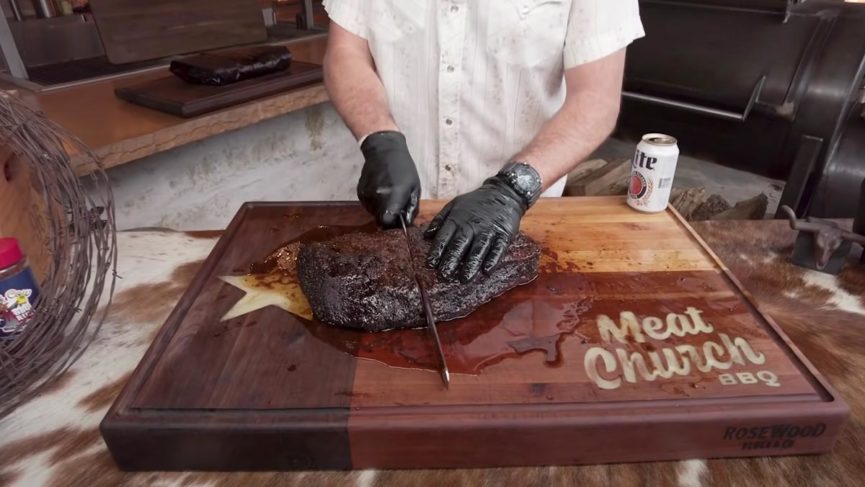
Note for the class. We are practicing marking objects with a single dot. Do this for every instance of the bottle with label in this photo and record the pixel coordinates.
(19, 290)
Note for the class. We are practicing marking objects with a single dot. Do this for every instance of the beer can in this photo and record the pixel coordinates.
(652, 172)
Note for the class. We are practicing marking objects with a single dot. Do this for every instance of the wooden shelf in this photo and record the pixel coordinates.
(120, 132)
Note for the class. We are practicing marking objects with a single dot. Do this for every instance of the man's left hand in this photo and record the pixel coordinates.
(474, 230)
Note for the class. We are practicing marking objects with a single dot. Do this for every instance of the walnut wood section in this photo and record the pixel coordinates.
(120, 132)
(137, 31)
(269, 390)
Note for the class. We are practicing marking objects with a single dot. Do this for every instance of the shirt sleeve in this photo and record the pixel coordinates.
(349, 14)
(598, 28)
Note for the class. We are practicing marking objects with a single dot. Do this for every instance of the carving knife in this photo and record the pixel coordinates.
(427, 309)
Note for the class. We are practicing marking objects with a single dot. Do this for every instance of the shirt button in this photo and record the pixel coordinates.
(455, 8)
(451, 68)
(448, 168)
(449, 121)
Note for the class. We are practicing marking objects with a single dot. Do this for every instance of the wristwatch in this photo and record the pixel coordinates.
(524, 180)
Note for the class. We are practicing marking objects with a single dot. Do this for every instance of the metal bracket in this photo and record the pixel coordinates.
(10, 49)
(700, 109)
(803, 166)
(791, 4)
(862, 99)
(307, 13)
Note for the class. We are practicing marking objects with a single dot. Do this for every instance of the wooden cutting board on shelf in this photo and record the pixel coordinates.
(634, 344)
(172, 95)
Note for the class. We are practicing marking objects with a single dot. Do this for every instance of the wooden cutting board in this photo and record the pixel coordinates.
(634, 344)
(172, 95)
(133, 30)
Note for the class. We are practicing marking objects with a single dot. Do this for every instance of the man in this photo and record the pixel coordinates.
(497, 100)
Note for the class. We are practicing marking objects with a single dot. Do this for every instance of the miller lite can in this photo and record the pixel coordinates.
(652, 172)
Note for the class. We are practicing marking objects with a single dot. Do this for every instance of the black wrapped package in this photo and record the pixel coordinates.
(231, 65)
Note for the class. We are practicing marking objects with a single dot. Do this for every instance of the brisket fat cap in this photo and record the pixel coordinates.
(365, 281)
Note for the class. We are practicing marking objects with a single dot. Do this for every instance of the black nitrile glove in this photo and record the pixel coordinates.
(474, 230)
(389, 183)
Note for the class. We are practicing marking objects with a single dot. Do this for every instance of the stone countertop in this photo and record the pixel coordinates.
(120, 132)
(54, 440)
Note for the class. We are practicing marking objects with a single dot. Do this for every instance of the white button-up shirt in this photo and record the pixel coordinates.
(471, 82)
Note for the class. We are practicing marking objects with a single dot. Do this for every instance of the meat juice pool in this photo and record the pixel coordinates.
(503, 328)
(512, 326)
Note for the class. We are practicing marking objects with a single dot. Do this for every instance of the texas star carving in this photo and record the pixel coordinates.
(267, 290)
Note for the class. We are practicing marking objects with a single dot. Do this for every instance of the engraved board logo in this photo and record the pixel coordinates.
(613, 363)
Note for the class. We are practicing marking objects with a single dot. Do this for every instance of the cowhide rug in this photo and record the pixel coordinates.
(53, 439)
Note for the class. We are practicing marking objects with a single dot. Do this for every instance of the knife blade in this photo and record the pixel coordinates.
(427, 308)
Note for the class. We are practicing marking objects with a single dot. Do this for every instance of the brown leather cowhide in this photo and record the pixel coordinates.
(824, 316)
(53, 440)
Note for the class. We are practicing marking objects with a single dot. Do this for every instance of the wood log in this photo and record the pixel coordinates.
(615, 189)
(750, 209)
(687, 200)
(713, 205)
(601, 181)
(585, 168)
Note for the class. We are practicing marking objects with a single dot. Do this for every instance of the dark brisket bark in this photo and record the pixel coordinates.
(364, 280)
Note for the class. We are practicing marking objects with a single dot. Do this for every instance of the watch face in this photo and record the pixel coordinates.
(525, 180)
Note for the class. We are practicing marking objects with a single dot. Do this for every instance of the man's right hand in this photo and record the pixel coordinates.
(389, 183)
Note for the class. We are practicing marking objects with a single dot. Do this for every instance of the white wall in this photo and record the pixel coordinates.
(305, 155)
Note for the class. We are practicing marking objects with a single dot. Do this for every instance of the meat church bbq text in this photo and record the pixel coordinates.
(608, 369)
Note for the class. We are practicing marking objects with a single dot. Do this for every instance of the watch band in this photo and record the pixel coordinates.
(524, 180)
